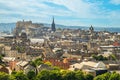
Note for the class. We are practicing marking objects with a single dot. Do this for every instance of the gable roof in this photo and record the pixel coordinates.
(89, 65)
(100, 65)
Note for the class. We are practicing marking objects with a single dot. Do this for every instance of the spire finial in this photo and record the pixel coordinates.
(53, 25)
(53, 19)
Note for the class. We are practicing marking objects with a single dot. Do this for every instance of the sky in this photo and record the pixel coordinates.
(102, 13)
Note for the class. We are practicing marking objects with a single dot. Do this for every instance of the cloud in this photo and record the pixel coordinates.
(75, 6)
(77, 12)
(115, 2)
(30, 7)
(90, 12)
(84, 9)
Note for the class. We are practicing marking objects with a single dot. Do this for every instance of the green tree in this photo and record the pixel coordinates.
(88, 77)
(59, 53)
(103, 77)
(48, 63)
(1, 59)
(114, 76)
(69, 75)
(4, 76)
(19, 75)
(108, 76)
(59, 29)
(43, 75)
(20, 49)
(55, 75)
(113, 57)
(36, 63)
(94, 57)
(79, 75)
(99, 57)
(56, 68)
(31, 75)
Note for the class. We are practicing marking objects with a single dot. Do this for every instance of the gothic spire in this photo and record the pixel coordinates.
(53, 20)
(53, 25)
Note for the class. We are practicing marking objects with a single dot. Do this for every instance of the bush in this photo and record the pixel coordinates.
(108, 76)
(31, 75)
(99, 58)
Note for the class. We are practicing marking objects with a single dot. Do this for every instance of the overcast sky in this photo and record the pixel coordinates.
(105, 13)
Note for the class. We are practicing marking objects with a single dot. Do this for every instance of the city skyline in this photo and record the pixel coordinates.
(66, 12)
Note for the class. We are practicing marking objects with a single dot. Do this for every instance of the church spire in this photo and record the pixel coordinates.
(53, 25)
(91, 28)
(53, 20)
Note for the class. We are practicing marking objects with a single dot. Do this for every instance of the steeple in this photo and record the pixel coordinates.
(91, 28)
(53, 21)
(53, 25)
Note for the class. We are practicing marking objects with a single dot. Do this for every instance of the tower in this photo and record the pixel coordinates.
(91, 28)
(53, 25)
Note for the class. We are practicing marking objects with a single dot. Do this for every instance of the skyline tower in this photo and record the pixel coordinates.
(53, 25)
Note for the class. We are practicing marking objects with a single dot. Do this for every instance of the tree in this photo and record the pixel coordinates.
(88, 77)
(36, 63)
(55, 75)
(113, 57)
(43, 75)
(79, 75)
(0, 59)
(56, 68)
(94, 57)
(59, 29)
(59, 53)
(1, 49)
(4, 76)
(49, 75)
(19, 75)
(48, 63)
(108, 76)
(20, 49)
(103, 77)
(31, 75)
(114, 76)
(99, 57)
(69, 75)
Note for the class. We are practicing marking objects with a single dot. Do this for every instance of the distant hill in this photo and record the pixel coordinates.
(8, 27)
(66, 27)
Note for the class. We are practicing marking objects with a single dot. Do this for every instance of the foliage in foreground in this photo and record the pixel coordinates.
(57, 75)
(108, 76)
